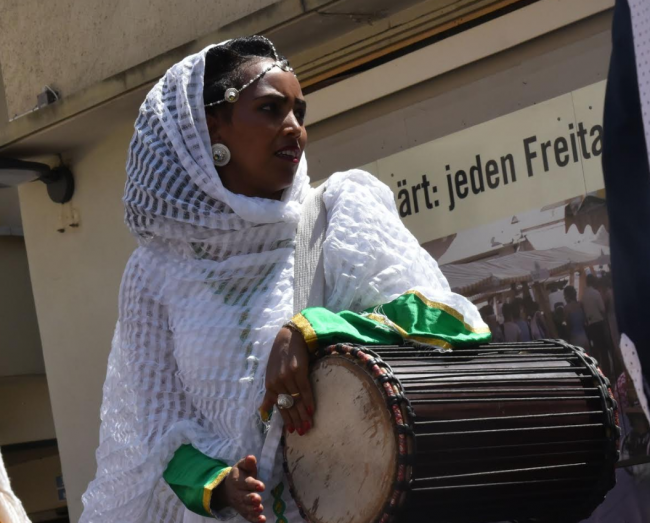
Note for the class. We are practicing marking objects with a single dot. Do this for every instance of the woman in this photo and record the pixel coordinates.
(574, 316)
(216, 177)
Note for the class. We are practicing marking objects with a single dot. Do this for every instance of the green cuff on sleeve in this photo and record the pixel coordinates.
(193, 476)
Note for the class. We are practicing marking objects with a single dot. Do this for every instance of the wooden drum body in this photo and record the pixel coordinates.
(498, 432)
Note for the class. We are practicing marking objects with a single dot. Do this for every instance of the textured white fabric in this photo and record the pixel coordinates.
(11, 509)
(309, 271)
(204, 295)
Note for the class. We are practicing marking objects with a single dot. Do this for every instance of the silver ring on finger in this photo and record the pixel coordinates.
(285, 401)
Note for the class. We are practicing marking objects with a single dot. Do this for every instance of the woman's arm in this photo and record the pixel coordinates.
(376, 268)
(381, 288)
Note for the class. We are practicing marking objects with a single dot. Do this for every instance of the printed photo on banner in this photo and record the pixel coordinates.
(514, 210)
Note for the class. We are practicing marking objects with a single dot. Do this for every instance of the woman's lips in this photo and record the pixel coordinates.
(289, 154)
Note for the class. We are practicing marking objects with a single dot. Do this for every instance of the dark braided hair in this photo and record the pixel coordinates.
(224, 66)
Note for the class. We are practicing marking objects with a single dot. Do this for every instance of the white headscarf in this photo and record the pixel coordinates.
(173, 189)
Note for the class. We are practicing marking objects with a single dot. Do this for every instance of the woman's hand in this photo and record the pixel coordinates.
(239, 489)
(287, 373)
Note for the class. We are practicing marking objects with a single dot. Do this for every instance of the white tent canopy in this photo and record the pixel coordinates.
(474, 277)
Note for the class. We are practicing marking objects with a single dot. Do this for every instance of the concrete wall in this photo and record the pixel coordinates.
(20, 343)
(63, 43)
(76, 277)
(76, 274)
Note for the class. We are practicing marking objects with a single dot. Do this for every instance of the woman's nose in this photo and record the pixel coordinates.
(292, 126)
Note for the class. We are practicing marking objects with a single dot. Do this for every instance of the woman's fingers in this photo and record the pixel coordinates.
(243, 490)
(253, 485)
(254, 500)
(294, 374)
(270, 398)
(306, 395)
(287, 373)
(251, 507)
(294, 422)
(249, 465)
(299, 411)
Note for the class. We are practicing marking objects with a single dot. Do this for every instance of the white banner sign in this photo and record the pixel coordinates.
(540, 155)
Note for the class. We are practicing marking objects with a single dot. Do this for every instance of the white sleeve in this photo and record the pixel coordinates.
(370, 257)
(145, 415)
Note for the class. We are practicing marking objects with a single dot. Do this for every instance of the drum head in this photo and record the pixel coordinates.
(343, 470)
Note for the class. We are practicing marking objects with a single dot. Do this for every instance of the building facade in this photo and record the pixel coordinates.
(384, 81)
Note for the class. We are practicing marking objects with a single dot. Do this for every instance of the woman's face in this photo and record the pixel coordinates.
(265, 134)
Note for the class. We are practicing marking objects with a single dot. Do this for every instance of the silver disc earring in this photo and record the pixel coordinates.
(220, 154)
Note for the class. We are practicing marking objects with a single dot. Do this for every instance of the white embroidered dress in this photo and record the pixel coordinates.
(204, 295)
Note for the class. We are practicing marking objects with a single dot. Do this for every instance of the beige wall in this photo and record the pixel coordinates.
(76, 274)
(9, 212)
(64, 43)
(20, 343)
(26, 411)
(76, 277)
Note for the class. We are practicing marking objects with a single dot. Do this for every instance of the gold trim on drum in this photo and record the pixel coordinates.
(449, 310)
(422, 339)
(308, 332)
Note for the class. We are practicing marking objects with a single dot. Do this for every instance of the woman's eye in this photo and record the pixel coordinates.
(270, 107)
(300, 116)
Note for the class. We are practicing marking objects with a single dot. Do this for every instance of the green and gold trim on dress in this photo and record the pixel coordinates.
(308, 332)
(279, 506)
(411, 316)
(209, 488)
(449, 310)
(421, 339)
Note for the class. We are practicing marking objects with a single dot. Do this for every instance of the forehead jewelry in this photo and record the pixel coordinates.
(232, 94)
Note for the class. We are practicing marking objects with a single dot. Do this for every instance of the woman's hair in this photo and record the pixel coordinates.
(224, 66)
(570, 293)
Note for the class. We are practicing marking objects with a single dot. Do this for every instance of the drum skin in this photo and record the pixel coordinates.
(320, 460)
(498, 432)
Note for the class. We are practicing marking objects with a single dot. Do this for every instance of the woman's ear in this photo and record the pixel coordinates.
(214, 125)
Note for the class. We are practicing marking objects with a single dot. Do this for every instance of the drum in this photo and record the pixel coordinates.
(498, 432)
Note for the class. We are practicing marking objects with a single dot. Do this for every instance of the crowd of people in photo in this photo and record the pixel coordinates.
(587, 321)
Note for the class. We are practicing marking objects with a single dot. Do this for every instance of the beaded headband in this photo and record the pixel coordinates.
(232, 94)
